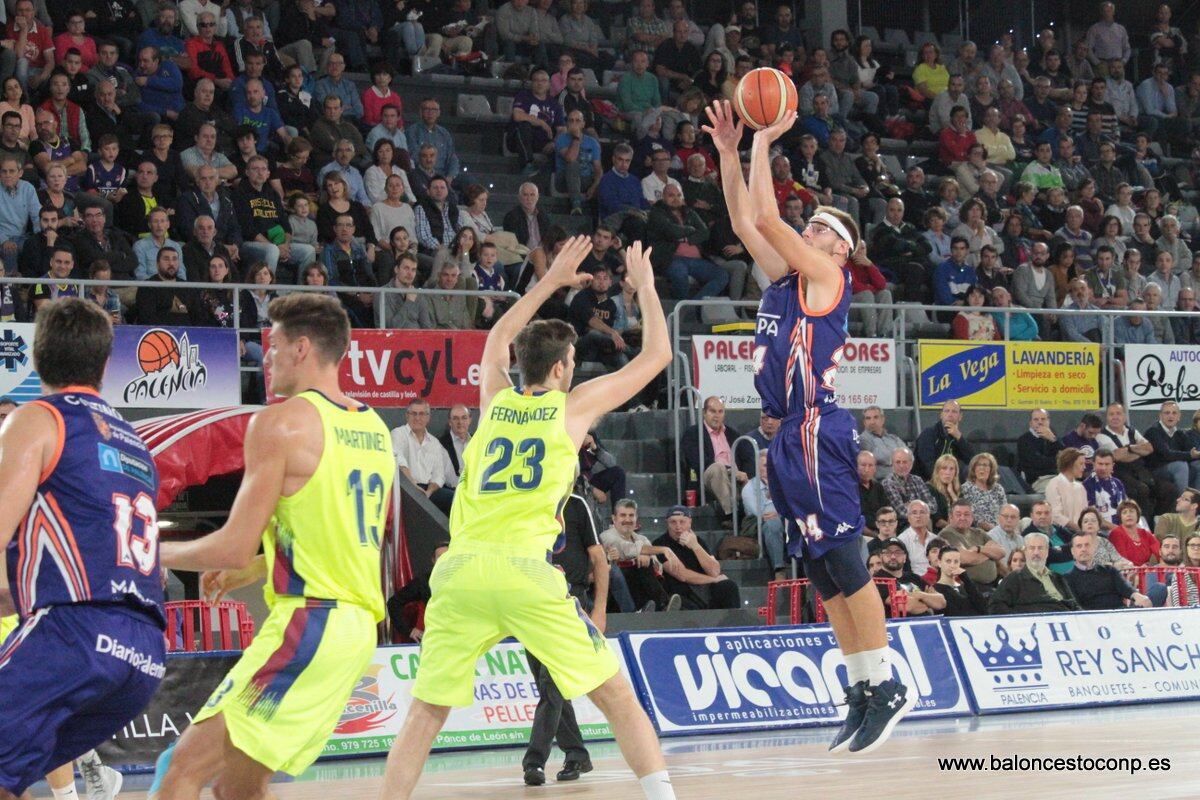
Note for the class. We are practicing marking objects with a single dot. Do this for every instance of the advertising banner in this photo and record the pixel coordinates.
(1081, 659)
(506, 698)
(1053, 375)
(724, 366)
(391, 368)
(749, 678)
(18, 379)
(189, 682)
(173, 368)
(1156, 373)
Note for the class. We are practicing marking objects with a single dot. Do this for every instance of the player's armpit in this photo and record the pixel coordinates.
(29, 442)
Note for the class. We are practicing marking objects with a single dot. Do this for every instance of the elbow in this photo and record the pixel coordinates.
(762, 223)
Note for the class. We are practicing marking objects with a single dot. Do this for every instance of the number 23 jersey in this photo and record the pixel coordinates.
(323, 541)
(518, 470)
(91, 533)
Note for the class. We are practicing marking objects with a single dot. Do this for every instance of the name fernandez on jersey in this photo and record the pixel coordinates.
(520, 416)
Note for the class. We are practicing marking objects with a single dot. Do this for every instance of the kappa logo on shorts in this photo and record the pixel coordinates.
(843, 527)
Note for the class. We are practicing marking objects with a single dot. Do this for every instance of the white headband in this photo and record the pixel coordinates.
(834, 224)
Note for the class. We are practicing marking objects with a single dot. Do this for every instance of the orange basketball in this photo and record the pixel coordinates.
(157, 349)
(763, 96)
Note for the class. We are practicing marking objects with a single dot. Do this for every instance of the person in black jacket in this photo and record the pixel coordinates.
(963, 598)
(406, 608)
(96, 241)
(944, 436)
(207, 198)
(1037, 451)
(171, 304)
(715, 472)
(131, 213)
(526, 217)
(1034, 589)
(34, 258)
(457, 435)
(1099, 587)
(676, 233)
(585, 566)
(1174, 457)
(263, 220)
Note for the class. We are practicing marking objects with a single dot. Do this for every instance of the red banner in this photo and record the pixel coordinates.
(391, 368)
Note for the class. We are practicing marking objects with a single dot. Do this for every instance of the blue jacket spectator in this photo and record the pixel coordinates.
(162, 93)
(421, 134)
(335, 84)
(954, 276)
(1134, 330)
(620, 190)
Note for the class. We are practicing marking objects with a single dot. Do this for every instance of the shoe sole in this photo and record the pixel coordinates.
(120, 781)
(909, 703)
(838, 749)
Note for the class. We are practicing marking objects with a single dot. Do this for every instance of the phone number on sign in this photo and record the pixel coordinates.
(858, 399)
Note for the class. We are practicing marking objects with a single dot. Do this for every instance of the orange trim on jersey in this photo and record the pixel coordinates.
(824, 312)
(62, 439)
(79, 389)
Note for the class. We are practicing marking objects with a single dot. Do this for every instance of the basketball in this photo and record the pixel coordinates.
(157, 349)
(763, 96)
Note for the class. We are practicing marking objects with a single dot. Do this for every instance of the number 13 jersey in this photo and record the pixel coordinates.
(323, 541)
(91, 534)
(518, 470)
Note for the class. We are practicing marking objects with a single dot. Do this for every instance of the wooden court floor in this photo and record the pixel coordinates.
(763, 766)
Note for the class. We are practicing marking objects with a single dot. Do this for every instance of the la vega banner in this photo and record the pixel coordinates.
(1080, 659)
(1015, 375)
(169, 367)
(724, 366)
(1156, 373)
(750, 678)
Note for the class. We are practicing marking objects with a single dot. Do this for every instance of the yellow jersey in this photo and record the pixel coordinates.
(8, 625)
(323, 541)
(518, 470)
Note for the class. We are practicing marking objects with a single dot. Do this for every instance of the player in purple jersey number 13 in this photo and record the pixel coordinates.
(811, 461)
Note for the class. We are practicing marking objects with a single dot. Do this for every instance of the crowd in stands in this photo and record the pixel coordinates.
(1054, 175)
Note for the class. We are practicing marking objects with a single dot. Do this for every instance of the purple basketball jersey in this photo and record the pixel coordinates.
(91, 534)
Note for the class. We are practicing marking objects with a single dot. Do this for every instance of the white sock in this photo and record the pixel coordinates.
(67, 793)
(657, 786)
(856, 667)
(879, 665)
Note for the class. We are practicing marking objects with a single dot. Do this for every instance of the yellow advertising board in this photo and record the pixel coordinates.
(1054, 375)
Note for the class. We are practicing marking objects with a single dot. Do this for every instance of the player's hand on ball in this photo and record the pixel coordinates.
(773, 132)
(726, 135)
(637, 266)
(564, 269)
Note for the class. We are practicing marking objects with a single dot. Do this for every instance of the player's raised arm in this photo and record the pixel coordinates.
(726, 136)
(810, 262)
(28, 444)
(563, 272)
(590, 401)
(234, 544)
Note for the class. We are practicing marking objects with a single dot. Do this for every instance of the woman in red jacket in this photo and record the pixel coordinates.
(868, 287)
(972, 322)
(1131, 540)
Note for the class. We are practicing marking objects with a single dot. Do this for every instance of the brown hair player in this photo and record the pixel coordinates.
(799, 337)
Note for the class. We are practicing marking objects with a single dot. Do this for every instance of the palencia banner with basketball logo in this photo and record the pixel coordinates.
(1086, 658)
(724, 366)
(171, 367)
(781, 677)
(391, 368)
(1156, 373)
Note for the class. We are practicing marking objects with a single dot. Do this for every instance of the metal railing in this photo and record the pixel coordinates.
(236, 289)
(733, 490)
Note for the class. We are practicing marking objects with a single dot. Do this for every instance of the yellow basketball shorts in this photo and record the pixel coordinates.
(283, 698)
(483, 596)
(8, 625)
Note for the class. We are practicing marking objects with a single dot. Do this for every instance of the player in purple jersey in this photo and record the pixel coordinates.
(801, 330)
(80, 535)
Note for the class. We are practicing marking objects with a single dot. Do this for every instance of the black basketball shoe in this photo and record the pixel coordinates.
(856, 711)
(887, 704)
